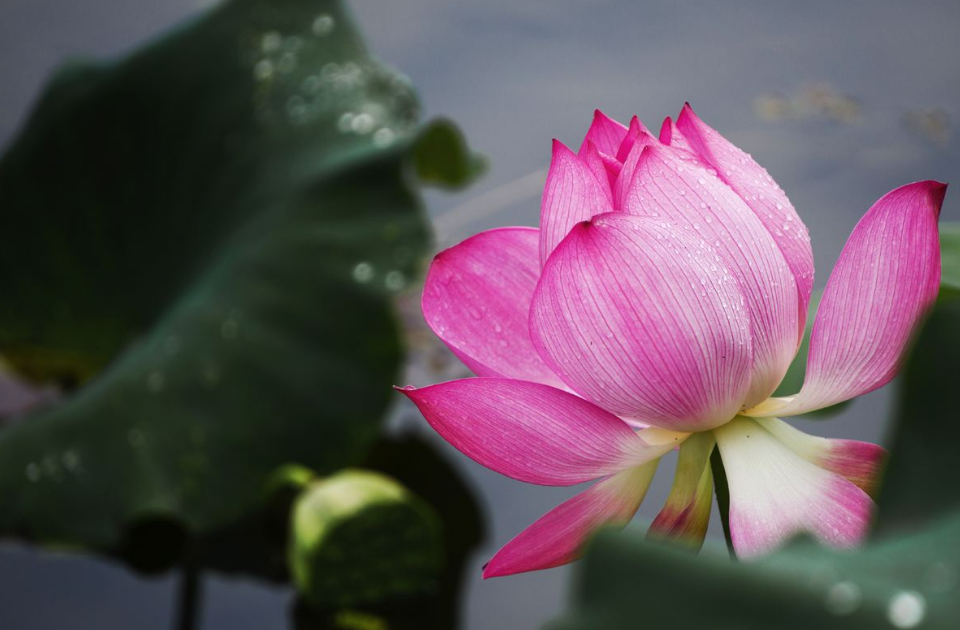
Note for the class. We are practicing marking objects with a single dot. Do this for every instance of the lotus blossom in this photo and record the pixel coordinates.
(659, 305)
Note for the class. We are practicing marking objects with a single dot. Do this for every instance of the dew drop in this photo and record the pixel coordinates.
(263, 70)
(156, 381)
(907, 609)
(363, 272)
(172, 345)
(323, 25)
(345, 123)
(70, 460)
(271, 42)
(311, 84)
(940, 577)
(362, 123)
(32, 472)
(211, 375)
(384, 137)
(287, 63)
(229, 329)
(136, 438)
(394, 280)
(843, 598)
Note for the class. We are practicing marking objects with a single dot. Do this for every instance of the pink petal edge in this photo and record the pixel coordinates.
(605, 133)
(886, 280)
(861, 463)
(572, 193)
(762, 194)
(775, 494)
(533, 432)
(476, 298)
(559, 536)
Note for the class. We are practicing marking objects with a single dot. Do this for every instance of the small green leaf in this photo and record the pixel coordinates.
(439, 142)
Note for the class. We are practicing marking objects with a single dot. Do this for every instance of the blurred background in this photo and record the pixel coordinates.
(840, 102)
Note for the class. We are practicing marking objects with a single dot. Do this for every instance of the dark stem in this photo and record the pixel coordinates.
(189, 597)
(723, 497)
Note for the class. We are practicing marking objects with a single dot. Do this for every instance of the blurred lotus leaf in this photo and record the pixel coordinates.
(208, 235)
(907, 576)
(950, 261)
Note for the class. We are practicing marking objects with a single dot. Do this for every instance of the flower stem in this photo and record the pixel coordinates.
(189, 597)
(723, 497)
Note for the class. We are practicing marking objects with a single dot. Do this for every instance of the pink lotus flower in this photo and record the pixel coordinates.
(660, 304)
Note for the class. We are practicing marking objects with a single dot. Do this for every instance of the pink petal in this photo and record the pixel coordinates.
(605, 133)
(639, 318)
(671, 136)
(604, 168)
(776, 494)
(572, 194)
(859, 462)
(621, 186)
(669, 186)
(749, 180)
(885, 281)
(637, 130)
(476, 298)
(558, 537)
(686, 514)
(533, 432)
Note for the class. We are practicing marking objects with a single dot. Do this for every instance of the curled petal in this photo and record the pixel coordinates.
(755, 186)
(686, 514)
(639, 318)
(636, 131)
(672, 188)
(776, 494)
(571, 194)
(559, 535)
(604, 168)
(859, 462)
(639, 139)
(605, 133)
(535, 433)
(476, 299)
(671, 136)
(885, 281)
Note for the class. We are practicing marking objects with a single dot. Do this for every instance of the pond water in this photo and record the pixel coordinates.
(841, 103)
